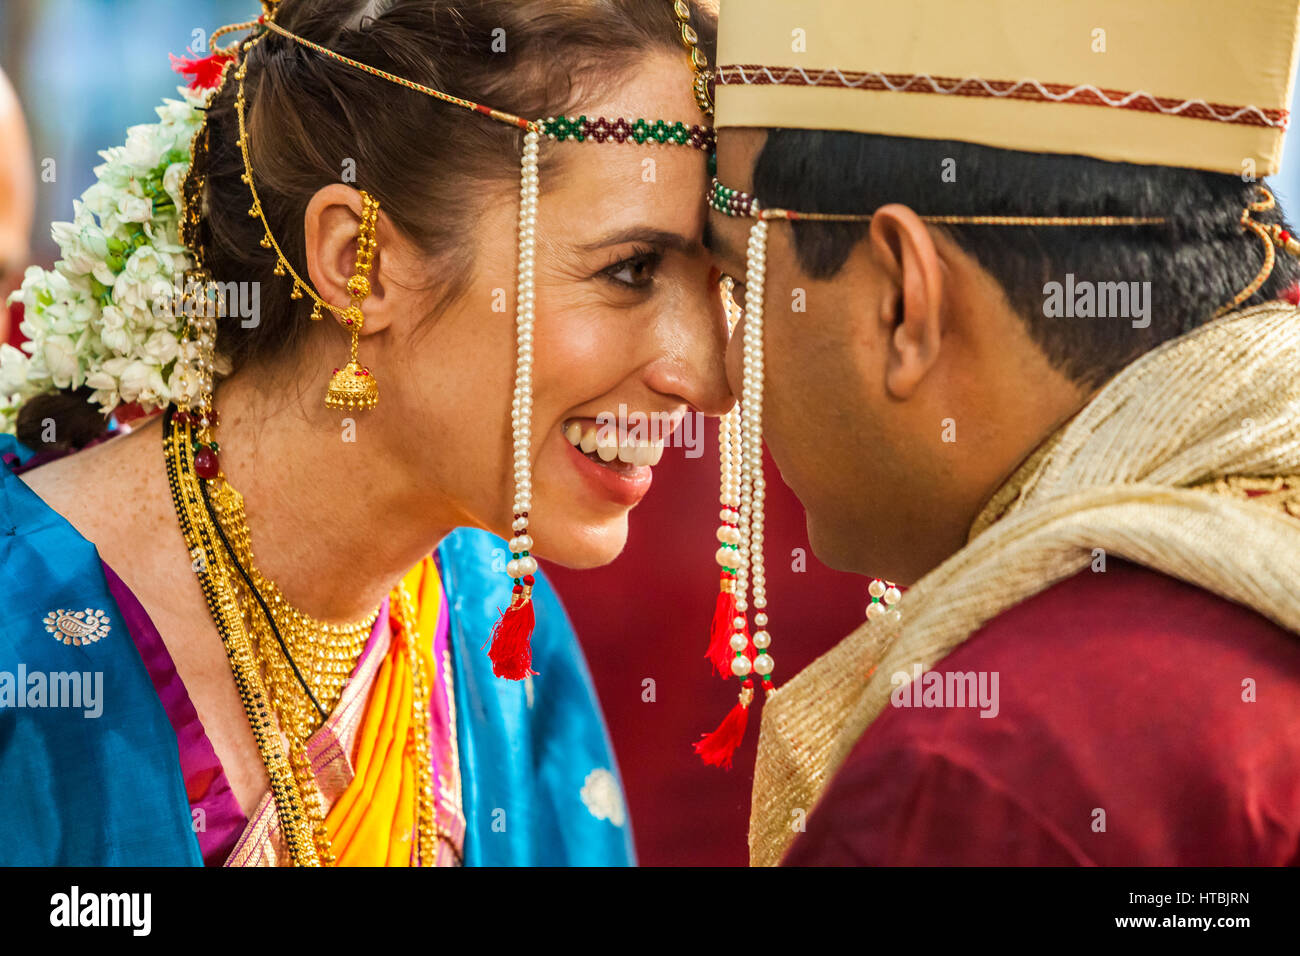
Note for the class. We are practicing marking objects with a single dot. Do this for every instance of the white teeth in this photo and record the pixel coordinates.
(589, 438)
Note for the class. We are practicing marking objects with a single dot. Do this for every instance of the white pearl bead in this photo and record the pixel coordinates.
(738, 642)
(512, 568)
(763, 664)
(527, 565)
(876, 588)
(895, 615)
(874, 611)
(762, 638)
(892, 595)
(740, 666)
(760, 620)
(738, 622)
(726, 557)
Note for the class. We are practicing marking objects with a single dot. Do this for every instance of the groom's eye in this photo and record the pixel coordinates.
(636, 271)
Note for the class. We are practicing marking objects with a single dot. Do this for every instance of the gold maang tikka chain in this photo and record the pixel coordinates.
(352, 386)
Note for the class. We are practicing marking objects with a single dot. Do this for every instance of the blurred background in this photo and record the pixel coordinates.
(85, 70)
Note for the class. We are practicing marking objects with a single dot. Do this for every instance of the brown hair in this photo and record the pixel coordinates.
(424, 160)
(310, 119)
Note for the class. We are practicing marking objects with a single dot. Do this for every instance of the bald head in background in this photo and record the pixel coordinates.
(17, 196)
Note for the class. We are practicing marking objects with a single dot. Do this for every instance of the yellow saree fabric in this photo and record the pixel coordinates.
(361, 757)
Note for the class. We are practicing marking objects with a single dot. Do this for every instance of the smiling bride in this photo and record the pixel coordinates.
(281, 586)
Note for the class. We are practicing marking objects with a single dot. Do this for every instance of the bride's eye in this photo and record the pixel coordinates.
(636, 271)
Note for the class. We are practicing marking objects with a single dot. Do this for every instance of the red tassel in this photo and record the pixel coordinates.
(724, 612)
(717, 749)
(204, 71)
(511, 651)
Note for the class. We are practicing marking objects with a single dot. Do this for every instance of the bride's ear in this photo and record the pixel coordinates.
(330, 225)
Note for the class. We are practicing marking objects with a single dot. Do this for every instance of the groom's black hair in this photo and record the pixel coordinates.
(1195, 264)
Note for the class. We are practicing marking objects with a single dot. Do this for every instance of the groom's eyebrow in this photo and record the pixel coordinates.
(658, 238)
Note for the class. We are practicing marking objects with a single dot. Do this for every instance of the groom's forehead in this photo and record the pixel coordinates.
(726, 236)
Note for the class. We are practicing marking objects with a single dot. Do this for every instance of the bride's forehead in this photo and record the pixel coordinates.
(653, 84)
(599, 186)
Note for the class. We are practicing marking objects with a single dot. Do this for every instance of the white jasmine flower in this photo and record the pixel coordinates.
(135, 208)
(59, 356)
(172, 180)
(13, 370)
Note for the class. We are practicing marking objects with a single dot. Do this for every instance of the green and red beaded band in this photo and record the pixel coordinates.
(638, 131)
(731, 202)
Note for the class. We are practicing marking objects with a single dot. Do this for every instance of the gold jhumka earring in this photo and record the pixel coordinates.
(352, 386)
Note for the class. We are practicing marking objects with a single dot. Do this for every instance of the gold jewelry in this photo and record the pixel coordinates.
(1271, 236)
(304, 662)
(702, 87)
(290, 669)
(216, 580)
(324, 654)
(352, 386)
(427, 829)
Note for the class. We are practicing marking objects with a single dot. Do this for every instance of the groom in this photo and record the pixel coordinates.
(1074, 442)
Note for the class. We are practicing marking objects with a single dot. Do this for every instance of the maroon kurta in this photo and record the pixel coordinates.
(1119, 692)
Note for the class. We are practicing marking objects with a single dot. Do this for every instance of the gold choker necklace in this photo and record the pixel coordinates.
(325, 654)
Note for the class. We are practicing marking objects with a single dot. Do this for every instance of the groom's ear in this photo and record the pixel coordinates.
(909, 296)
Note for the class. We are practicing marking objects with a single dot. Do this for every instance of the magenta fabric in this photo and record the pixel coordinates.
(1123, 692)
(217, 818)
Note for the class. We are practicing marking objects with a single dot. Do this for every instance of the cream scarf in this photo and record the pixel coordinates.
(1155, 469)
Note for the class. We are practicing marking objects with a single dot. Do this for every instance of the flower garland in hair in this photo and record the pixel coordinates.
(104, 316)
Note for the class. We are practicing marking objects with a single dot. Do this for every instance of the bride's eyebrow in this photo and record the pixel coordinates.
(658, 238)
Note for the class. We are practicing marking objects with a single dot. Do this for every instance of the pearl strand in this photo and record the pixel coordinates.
(732, 530)
(752, 396)
(728, 555)
(522, 563)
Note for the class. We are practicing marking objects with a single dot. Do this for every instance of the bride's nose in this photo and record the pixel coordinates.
(693, 368)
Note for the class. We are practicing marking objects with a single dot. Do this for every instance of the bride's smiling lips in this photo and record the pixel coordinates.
(618, 470)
